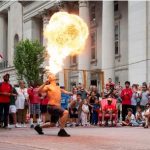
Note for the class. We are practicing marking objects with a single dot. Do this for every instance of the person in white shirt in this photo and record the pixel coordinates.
(21, 101)
(84, 113)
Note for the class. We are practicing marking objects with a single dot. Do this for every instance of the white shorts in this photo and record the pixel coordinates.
(12, 109)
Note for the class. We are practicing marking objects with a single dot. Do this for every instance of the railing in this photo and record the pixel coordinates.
(3, 65)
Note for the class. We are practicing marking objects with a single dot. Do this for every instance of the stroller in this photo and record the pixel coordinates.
(103, 103)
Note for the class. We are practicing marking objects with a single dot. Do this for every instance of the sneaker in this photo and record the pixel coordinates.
(32, 126)
(24, 125)
(63, 133)
(38, 129)
(18, 125)
(109, 123)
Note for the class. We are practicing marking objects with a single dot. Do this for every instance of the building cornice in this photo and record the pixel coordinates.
(36, 8)
(5, 5)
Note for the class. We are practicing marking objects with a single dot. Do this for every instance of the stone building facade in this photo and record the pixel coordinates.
(118, 44)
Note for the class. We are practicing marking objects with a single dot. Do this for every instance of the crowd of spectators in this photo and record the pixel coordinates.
(127, 106)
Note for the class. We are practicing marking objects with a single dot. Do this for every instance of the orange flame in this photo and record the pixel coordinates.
(66, 35)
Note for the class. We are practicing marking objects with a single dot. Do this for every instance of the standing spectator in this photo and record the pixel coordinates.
(34, 105)
(94, 89)
(65, 100)
(43, 106)
(84, 113)
(144, 96)
(74, 91)
(117, 95)
(107, 91)
(75, 110)
(5, 92)
(12, 108)
(91, 102)
(126, 95)
(110, 83)
(134, 98)
(22, 100)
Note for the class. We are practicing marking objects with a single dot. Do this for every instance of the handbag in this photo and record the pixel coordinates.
(26, 103)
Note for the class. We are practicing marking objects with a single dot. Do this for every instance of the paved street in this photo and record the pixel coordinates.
(92, 138)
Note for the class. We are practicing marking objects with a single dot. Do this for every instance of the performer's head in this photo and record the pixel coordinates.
(51, 77)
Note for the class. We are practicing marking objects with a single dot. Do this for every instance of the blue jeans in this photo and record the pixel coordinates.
(94, 117)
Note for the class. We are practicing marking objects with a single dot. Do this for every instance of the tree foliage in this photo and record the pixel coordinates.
(29, 56)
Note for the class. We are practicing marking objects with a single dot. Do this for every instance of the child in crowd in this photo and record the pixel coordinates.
(130, 119)
(84, 113)
(96, 107)
(147, 115)
(139, 116)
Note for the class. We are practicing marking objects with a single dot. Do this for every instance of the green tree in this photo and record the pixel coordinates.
(28, 59)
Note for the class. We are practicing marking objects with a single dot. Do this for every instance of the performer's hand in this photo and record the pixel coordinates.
(47, 82)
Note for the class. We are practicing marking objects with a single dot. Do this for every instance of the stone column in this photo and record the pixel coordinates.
(137, 41)
(3, 36)
(108, 52)
(85, 57)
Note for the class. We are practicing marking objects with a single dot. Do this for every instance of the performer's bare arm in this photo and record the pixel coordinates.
(44, 87)
(66, 92)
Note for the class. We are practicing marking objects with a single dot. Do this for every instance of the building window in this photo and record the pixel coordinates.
(73, 60)
(116, 79)
(93, 46)
(116, 6)
(117, 38)
(92, 12)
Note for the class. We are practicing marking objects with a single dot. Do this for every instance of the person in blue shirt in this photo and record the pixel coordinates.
(65, 100)
(95, 109)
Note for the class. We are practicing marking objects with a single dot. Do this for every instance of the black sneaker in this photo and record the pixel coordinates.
(63, 133)
(31, 126)
(38, 129)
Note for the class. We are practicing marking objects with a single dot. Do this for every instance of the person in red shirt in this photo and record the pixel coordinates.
(43, 106)
(34, 105)
(109, 110)
(5, 92)
(126, 96)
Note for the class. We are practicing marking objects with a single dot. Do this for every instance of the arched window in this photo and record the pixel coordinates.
(16, 40)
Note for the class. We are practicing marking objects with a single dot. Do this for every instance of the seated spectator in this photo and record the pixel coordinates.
(147, 115)
(139, 116)
(130, 119)
(109, 110)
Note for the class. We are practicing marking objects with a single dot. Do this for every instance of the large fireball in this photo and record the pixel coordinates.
(66, 35)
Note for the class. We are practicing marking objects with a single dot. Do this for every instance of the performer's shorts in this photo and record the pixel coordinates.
(55, 112)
